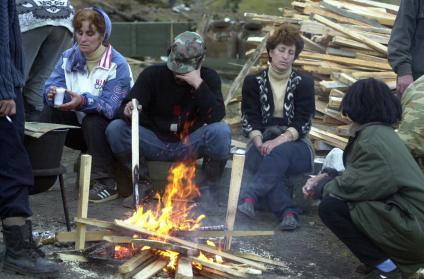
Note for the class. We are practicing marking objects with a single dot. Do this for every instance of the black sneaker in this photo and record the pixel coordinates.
(100, 192)
(377, 274)
(247, 209)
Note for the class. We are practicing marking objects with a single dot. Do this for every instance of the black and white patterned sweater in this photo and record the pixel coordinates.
(258, 103)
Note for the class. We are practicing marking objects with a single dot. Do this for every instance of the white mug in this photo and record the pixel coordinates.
(59, 96)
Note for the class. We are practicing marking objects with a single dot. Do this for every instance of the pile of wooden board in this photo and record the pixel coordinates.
(344, 41)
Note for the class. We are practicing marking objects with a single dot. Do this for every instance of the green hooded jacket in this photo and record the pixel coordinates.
(384, 188)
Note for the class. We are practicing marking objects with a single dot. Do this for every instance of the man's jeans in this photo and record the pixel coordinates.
(211, 140)
(267, 176)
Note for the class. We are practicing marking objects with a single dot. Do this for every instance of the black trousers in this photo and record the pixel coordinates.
(89, 139)
(15, 167)
(334, 213)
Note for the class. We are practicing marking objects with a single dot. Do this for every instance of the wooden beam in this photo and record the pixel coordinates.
(381, 75)
(89, 236)
(233, 196)
(117, 239)
(346, 61)
(214, 274)
(245, 70)
(184, 269)
(151, 269)
(390, 7)
(334, 102)
(84, 188)
(190, 244)
(352, 34)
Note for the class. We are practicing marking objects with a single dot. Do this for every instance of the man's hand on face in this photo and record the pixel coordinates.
(192, 78)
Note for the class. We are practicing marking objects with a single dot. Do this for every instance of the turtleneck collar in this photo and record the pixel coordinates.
(96, 55)
(277, 75)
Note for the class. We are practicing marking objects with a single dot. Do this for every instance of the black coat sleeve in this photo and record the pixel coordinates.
(251, 118)
(304, 106)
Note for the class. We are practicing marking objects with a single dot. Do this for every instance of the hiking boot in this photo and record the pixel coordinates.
(247, 209)
(102, 192)
(146, 194)
(289, 222)
(22, 255)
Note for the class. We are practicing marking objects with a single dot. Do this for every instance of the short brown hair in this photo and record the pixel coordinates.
(92, 16)
(287, 34)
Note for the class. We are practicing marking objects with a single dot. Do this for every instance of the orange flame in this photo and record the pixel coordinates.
(172, 211)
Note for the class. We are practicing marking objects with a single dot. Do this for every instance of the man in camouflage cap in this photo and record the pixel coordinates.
(181, 108)
(411, 129)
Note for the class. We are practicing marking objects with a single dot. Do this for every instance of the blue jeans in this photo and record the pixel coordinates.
(267, 176)
(211, 140)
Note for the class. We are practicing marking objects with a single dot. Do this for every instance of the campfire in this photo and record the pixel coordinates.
(166, 236)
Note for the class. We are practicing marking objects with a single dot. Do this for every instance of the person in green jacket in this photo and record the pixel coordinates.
(376, 206)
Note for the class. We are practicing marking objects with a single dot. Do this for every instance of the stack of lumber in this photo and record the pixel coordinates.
(345, 40)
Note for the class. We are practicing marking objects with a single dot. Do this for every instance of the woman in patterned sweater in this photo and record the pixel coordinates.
(277, 108)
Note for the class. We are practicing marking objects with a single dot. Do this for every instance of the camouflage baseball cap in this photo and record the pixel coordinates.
(186, 52)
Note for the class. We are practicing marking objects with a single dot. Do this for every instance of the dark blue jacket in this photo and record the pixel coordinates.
(11, 66)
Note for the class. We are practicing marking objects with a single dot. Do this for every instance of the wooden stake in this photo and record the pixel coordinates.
(233, 196)
(190, 244)
(151, 269)
(184, 269)
(84, 188)
(135, 152)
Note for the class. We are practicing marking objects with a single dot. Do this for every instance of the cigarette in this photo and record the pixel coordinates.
(9, 119)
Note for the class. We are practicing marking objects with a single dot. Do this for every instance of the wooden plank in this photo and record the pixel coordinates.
(346, 61)
(151, 269)
(271, 19)
(245, 70)
(217, 234)
(322, 107)
(219, 267)
(375, 14)
(343, 41)
(346, 79)
(331, 84)
(117, 239)
(95, 222)
(329, 138)
(160, 245)
(134, 262)
(341, 19)
(352, 34)
(190, 244)
(84, 188)
(214, 274)
(334, 102)
(138, 269)
(89, 236)
(379, 4)
(343, 130)
(233, 196)
(378, 30)
(381, 75)
(258, 258)
(312, 46)
(184, 269)
(336, 93)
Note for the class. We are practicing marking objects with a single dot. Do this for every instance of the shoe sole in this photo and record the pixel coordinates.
(9, 268)
(110, 198)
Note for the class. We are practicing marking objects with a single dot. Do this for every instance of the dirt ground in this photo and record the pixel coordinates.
(309, 252)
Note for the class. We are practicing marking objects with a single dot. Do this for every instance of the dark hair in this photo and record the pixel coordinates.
(92, 16)
(370, 100)
(287, 34)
